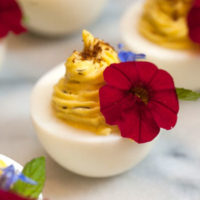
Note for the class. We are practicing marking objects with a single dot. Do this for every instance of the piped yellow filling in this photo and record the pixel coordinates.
(76, 95)
(164, 22)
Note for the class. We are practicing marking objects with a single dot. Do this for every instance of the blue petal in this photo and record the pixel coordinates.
(120, 46)
(26, 179)
(10, 181)
(10, 168)
(123, 56)
(9, 177)
(127, 56)
(140, 56)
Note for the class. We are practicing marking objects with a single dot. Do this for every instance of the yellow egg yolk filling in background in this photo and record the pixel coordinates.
(2, 165)
(76, 95)
(164, 23)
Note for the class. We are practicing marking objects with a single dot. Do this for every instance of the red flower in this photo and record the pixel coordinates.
(4, 195)
(140, 99)
(193, 21)
(10, 18)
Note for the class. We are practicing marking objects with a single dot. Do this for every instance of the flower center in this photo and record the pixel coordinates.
(141, 93)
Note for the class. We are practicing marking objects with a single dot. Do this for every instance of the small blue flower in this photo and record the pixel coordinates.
(10, 176)
(126, 56)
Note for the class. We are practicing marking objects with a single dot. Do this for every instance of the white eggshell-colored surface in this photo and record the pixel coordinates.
(80, 151)
(59, 17)
(8, 161)
(183, 65)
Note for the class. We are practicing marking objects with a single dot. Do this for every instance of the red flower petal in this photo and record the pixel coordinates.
(197, 2)
(164, 116)
(4, 195)
(7, 4)
(193, 17)
(146, 71)
(168, 98)
(10, 18)
(116, 78)
(3, 30)
(113, 102)
(139, 125)
(129, 70)
(162, 81)
(193, 21)
(195, 34)
(106, 92)
(109, 99)
(137, 72)
(19, 29)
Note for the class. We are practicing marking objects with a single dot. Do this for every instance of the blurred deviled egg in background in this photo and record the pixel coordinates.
(60, 17)
(162, 30)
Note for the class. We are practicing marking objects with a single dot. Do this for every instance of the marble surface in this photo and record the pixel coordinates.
(170, 172)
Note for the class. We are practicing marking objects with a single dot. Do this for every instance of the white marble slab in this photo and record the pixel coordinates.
(170, 172)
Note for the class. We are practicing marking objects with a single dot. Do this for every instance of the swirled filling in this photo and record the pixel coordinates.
(164, 22)
(76, 95)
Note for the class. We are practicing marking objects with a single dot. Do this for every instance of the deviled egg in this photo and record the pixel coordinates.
(66, 114)
(158, 29)
(60, 17)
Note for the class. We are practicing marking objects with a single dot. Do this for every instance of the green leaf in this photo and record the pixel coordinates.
(187, 95)
(35, 169)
